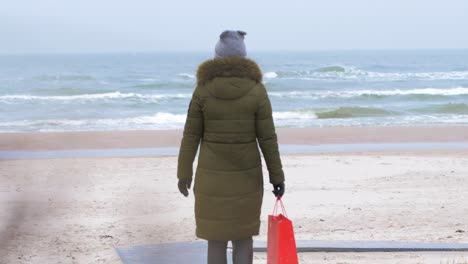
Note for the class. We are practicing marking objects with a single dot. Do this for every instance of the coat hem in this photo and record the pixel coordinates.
(234, 238)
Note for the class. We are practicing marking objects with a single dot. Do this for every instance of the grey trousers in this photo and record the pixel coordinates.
(242, 252)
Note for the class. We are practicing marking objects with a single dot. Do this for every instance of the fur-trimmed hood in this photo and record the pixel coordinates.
(228, 67)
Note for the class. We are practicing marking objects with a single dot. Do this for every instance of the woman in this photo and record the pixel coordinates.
(229, 113)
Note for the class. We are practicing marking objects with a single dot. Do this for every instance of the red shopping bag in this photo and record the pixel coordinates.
(281, 245)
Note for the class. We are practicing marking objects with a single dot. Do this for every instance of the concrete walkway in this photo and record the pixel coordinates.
(196, 251)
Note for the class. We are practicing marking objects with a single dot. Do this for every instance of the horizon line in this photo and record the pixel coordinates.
(212, 51)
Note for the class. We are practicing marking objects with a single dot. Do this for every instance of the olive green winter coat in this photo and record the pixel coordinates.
(229, 113)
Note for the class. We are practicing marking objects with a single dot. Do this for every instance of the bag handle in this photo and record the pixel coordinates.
(275, 208)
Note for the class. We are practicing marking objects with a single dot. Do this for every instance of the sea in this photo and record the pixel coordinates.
(152, 91)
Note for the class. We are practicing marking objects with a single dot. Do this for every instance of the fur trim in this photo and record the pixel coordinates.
(228, 67)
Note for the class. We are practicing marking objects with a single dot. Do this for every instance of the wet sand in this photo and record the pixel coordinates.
(168, 138)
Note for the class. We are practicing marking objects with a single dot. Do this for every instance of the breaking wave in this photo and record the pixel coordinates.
(450, 108)
(186, 76)
(300, 114)
(331, 69)
(341, 112)
(291, 94)
(64, 77)
(350, 112)
(91, 97)
(270, 75)
(160, 120)
(376, 93)
(353, 73)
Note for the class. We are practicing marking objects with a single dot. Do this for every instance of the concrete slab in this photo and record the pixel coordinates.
(367, 246)
(195, 252)
(174, 253)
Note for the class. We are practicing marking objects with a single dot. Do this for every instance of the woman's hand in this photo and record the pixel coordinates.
(184, 185)
(278, 190)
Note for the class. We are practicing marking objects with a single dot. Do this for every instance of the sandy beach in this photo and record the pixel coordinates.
(76, 210)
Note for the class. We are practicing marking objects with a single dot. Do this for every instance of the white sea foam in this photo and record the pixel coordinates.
(164, 120)
(453, 75)
(270, 75)
(294, 115)
(422, 91)
(99, 96)
(296, 94)
(159, 120)
(149, 79)
(290, 94)
(355, 93)
(353, 73)
(64, 77)
(186, 75)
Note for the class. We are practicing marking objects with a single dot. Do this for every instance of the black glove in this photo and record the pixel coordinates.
(184, 185)
(278, 190)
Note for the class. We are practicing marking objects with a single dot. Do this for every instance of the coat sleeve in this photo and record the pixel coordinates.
(267, 139)
(193, 131)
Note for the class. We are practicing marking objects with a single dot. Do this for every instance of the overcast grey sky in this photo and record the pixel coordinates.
(44, 26)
